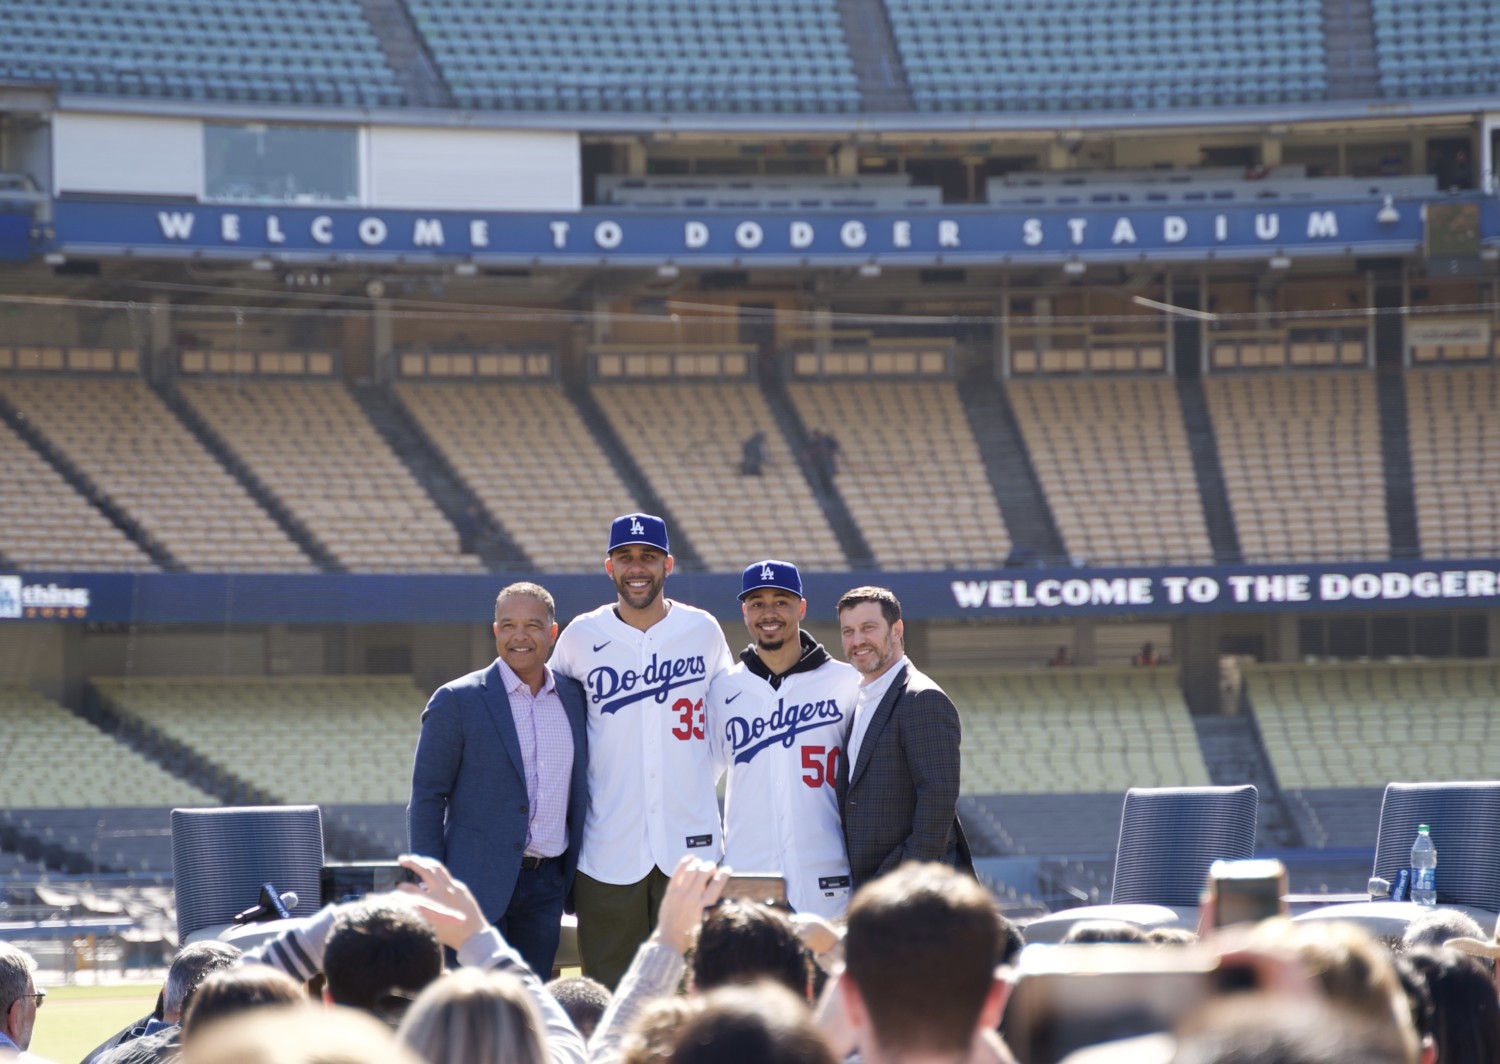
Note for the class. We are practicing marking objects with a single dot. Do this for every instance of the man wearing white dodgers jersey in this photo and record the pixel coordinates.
(646, 663)
(780, 717)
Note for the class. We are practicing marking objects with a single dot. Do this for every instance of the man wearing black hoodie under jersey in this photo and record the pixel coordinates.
(778, 720)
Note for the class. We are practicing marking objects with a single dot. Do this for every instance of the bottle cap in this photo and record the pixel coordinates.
(1422, 828)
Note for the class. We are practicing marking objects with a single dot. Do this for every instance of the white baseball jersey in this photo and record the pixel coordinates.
(652, 768)
(781, 746)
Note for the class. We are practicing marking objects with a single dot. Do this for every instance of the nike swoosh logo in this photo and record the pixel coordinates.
(602, 645)
(732, 697)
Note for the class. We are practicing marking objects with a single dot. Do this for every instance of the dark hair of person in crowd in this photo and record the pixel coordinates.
(379, 957)
(1274, 1029)
(1437, 926)
(762, 1023)
(583, 999)
(1418, 998)
(741, 942)
(921, 950)
(1171, 936)
(1012, 941)
(1465, 1010)
(1116, 932)
(234, 990)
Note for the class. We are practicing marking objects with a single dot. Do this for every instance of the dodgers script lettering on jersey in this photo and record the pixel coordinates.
(659, 676)
(780, 726)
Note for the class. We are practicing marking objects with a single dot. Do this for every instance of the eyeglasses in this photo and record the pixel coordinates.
(39, 996)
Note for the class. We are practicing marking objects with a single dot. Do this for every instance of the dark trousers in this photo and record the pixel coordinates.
(613, 920)
(533, 921)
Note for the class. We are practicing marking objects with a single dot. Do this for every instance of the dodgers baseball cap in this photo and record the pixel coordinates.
(782, 576)
(645, 530)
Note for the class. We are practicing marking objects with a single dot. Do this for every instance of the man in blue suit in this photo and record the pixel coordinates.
(500, 782)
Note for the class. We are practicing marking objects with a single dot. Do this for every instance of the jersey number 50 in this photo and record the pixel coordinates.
(820, 769)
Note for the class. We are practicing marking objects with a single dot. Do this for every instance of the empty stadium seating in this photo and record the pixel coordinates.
(313, 448)
(267, 50)
(654, 55)
(1454, 422)
(58, 760)
(1113, 460)
(1076, 55)
(686, 437)
(1359, 725)
(523, 449)
(47, 524)
(1087, 730)
(1436, 47)
(909, 470)
(331, 740)
(1302, 464)
(134, 451)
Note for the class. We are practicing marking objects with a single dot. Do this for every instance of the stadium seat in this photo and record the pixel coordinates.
(1178, 56)
(260, 52)
(1169, 837)
(713, 56)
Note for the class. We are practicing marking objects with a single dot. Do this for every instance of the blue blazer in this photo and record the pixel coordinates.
(469, 806)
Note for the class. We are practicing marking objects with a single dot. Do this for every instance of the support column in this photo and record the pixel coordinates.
(382, 341)
(1195, 641)
(158, 354)
(1085, 645)
(1284, 644)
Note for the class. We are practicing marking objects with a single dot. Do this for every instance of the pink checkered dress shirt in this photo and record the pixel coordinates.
(547, 752)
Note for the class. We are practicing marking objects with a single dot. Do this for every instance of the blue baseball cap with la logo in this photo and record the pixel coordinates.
(783, 576)
(646, 530)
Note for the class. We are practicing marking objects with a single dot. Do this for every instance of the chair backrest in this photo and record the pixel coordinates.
(1170, 835)
(220, 858)
(1465, 823)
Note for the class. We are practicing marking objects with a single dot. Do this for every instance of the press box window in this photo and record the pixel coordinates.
(259, 163)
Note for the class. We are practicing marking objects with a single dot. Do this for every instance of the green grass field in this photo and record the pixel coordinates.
(77, 1018)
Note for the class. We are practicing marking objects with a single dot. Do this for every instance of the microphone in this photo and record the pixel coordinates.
(271, 906)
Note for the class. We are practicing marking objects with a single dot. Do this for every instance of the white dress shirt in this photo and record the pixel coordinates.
(866, 703)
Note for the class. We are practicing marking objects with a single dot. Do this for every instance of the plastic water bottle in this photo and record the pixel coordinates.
(1424, 869)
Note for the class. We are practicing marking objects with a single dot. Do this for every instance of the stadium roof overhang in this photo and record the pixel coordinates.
(1328, 115)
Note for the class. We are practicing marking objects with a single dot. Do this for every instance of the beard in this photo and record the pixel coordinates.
(775, 643)
(639, 600)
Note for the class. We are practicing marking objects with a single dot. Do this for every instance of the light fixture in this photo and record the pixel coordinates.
(1489, 254)
(55, 258)
(465, 269)
(869, 269)
(262, 263)
(1279, 262)
(667, 271)
(1075, 268)
(1388, 214)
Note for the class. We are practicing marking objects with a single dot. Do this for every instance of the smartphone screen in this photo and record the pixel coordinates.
(761, 887)
(351, 880)
(1247, 892)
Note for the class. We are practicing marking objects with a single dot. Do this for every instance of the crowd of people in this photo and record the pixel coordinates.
(578, 772)
(922, 968)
